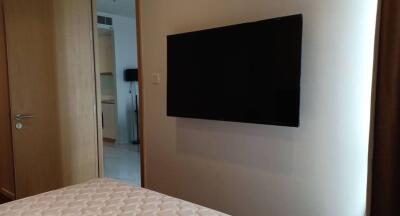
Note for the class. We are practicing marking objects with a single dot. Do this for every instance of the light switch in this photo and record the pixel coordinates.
(156, 78)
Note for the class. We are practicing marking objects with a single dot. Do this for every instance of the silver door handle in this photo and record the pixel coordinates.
(20, 117)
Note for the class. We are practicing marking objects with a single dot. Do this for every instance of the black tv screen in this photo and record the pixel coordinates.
(243, 73)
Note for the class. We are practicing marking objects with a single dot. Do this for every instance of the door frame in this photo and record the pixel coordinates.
(6, 194)
(98, 92)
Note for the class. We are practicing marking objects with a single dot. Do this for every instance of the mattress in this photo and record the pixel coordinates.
(103, 197)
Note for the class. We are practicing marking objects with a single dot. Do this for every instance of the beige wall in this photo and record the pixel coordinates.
(245, 169)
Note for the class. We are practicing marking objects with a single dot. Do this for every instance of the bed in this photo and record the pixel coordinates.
(103, 197)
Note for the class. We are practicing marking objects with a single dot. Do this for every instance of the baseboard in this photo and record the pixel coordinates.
(7, 194)
(4, 199)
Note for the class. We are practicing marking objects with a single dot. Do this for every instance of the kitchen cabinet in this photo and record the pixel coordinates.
(109, 119)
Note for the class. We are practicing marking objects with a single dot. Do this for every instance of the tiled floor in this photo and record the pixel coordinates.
(122, 161)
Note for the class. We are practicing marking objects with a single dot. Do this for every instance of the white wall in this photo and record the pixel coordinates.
(125, 57)
(319, 169)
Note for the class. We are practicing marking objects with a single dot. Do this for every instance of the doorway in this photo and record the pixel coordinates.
(117, 67)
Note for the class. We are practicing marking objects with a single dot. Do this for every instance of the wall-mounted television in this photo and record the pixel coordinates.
(242, 73)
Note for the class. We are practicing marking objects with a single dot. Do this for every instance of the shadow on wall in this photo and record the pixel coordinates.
(229, 142)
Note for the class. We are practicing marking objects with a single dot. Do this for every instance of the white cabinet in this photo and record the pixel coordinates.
(109, 121)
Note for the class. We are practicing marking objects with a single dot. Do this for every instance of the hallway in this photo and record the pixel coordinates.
(122, 161)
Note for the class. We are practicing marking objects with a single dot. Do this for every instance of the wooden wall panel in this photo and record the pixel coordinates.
(76, 89)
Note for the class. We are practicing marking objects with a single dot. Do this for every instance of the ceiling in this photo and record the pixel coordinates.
(117, 7)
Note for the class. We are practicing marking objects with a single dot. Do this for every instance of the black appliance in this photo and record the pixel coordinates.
(132, 75)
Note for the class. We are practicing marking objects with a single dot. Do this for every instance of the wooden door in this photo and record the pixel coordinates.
(7, 187)
(51, 77)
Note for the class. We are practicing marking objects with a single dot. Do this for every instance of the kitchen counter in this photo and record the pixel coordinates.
(109, 101)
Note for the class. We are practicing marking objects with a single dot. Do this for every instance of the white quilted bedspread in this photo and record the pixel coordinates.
(103, 197)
